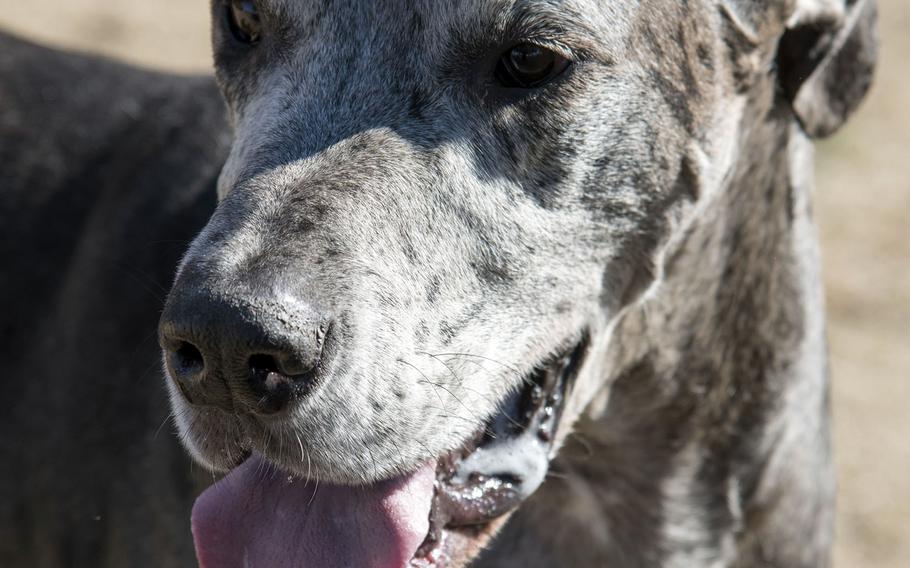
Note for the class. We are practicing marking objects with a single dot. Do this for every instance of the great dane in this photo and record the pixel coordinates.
(515, 283)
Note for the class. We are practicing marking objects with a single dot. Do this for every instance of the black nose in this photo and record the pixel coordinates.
(241, 354)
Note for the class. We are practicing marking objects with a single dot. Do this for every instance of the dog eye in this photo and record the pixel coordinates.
(527, 66)
(243, 19)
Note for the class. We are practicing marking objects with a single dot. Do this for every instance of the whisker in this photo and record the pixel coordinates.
(300, 444)
(308, 467)
(439, 386)
(453, 395)
(147, 283)
(315, 490)
(458, 379)
(455, 354)
(585, 444)
(163, 422)
(493, 401)
(523, 377)
(427, 380)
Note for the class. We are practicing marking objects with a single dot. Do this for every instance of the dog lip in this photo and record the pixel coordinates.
(501, 466)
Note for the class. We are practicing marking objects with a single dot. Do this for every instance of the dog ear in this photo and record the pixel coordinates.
(826, 58)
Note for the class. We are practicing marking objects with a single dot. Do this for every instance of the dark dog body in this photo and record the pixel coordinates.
(710, 447)
(102, 187)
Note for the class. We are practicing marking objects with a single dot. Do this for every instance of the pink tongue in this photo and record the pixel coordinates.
(255, 517)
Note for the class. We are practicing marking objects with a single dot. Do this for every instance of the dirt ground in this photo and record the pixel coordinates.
(863, 208)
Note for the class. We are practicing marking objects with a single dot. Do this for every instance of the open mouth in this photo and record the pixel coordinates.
(501, 466)
(440, 516)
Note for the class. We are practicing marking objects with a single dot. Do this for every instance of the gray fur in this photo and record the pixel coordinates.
(656, 198)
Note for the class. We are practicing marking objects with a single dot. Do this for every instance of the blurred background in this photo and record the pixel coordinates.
(863, 211)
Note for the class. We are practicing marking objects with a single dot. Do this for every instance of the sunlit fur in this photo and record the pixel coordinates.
(655, 196)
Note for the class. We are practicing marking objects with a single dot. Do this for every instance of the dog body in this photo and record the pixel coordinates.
(418, 241)
(103, 186)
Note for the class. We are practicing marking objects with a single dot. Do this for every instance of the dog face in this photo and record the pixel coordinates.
(460, 231)
(450, 203)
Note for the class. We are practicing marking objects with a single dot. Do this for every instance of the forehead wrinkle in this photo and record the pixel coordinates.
(583, 31)
(554, 21)
(584, 28)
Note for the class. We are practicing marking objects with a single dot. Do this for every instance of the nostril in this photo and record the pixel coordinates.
(189, 360)
(186, 367)
(263, 365)
(272, 384)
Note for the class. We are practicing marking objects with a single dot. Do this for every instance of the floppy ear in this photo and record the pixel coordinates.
(826, 59)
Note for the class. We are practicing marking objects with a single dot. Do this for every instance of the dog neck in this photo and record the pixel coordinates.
(710, 441)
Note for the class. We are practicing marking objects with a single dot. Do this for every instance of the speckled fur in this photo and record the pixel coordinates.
(656, 198)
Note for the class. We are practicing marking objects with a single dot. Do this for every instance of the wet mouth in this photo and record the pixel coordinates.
(439, 516)
(494, 472)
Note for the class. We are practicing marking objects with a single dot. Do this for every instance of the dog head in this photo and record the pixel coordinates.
(430, 218)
